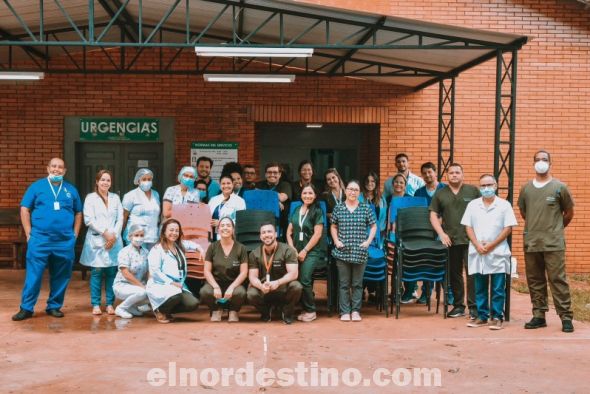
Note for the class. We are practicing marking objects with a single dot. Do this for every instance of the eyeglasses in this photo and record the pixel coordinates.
(273, 172)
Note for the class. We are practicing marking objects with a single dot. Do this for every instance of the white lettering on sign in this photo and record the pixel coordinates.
(119, 127)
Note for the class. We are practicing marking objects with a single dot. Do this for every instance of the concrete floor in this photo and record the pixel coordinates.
(98, 354)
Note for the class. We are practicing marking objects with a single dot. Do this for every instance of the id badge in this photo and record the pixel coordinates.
(301, 236)
(56, 205)
(267, 278)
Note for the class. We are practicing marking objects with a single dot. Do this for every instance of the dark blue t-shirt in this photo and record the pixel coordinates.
(47, 222)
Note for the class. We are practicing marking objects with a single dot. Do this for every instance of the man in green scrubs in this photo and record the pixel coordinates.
(547, 207)
(273, 271)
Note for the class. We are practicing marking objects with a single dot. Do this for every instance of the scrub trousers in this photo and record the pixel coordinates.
(312, 262)
(98, 275)
(286, 296)
(179, 303)
(58, 258)
(350, 286)
(235, 302)
(132, 295)
(458, 263)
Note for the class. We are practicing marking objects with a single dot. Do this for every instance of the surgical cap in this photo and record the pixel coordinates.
(134, 228)
(141, 172)
(187, 169)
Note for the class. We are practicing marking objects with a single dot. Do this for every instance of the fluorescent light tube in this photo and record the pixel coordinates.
(21, 76)
(264, 78)
(253, 52)
(314, 125)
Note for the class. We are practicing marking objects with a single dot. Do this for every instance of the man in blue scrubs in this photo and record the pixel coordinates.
(51, 215)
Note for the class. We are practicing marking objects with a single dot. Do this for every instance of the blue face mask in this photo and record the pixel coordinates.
(145, 186)
(202, 195)
(487, 192)
(56, 178)
(188, 182)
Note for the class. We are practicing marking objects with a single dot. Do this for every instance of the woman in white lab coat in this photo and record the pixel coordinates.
(225, 204)
(142, 206)
(165, 288)
(103, 214)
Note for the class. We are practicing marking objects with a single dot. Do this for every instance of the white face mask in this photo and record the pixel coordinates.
(145, 185)
(541, 167)
(137, 241)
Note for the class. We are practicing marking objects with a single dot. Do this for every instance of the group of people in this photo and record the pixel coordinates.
(150, 272)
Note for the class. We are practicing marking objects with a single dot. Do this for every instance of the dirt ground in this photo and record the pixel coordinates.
(97, 354)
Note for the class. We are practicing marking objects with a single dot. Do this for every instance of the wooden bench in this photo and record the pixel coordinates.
(12, 248)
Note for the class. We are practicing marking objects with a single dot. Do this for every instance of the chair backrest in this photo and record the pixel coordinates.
(404, 202)
(195, 220)
(263, 200)
(414, 223)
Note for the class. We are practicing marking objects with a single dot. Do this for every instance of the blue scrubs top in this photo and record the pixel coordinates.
(47, 222)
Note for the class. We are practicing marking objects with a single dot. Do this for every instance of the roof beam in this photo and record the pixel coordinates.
(31, 50)
(128, 20)
(362, 41)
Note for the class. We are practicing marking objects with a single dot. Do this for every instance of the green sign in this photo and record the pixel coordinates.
(214, 145)
(119, 129)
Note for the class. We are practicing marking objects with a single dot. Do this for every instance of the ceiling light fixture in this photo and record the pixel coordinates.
(314, 125)
(263, 78)
(253, 52)
(21, 76)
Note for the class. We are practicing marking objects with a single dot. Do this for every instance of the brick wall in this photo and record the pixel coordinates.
(553, 108)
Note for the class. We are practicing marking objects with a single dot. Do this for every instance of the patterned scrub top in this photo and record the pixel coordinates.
(352, 231)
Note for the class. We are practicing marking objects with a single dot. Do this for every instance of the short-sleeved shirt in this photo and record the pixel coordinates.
(427, 194)
(281, 187)
(543, 208)
(312, 218)
(136, 261)
(352, 231)
(226, 269)
(174, 195)
(47, 222)
(487, 223)
(296, 189)
(284, 255)
(451, 207)
(143, 211)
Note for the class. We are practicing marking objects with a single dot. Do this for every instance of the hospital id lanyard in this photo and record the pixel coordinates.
(55, 202)
(268, 264)
(301, 221)
(339, 199)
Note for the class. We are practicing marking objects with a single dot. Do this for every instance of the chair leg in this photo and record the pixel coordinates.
(437, 286)
(428, 293)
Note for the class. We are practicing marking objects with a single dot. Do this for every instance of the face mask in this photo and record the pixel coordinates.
(202, 195)
(188, 182)
(487, 192)
(137, 241)
(541, 167)
(56, 178)
(145, 186)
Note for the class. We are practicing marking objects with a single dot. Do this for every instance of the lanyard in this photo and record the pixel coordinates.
(53, 191)
(179, 261)
(268, 263)
(339, 199)
(302, 218)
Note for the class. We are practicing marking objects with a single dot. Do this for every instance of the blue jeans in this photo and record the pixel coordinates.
(96, 275)
(498, 292)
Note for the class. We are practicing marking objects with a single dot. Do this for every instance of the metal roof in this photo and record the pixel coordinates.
(34, 34)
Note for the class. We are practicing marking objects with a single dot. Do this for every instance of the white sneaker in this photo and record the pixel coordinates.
(144, 308)
(123, 313)
(345, 317)
(233, 317)
(134, 311)
(356, 316)
(216, 316)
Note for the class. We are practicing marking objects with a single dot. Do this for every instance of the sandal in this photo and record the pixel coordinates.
(96, 310)
(110, 310)
(160, 317)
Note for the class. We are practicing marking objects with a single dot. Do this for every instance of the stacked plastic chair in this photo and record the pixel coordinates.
(420, 256)
(389, 245)
(195, 220)
(376, 271)
(248, 224)
(327, 273)
(263, 200)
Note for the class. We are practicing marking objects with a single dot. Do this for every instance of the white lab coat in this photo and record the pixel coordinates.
(487, 224)
(234, 203)
(99, 219)
(164, 271)
(143, 211)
